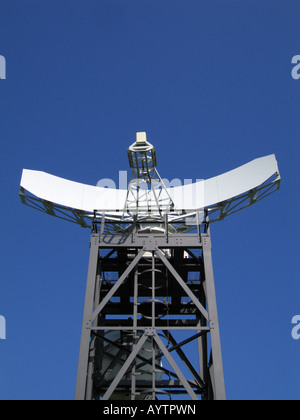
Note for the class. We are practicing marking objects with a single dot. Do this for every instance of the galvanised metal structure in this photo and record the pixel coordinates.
(163, 287)
(150, 297)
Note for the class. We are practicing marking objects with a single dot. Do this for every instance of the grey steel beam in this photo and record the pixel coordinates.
(140, 240)
(217, 366)
(135, 321)
(142, 328)
(183, 357)
(84, 353)
(175, 367)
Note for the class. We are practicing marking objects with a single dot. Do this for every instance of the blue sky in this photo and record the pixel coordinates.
(210, 83)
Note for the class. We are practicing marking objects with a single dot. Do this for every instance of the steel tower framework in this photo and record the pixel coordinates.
(164, 287)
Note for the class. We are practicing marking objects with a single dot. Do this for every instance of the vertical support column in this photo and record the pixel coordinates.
(135, 336)
(217, 366)
(153, 327)
(202, 343)
(84, 353)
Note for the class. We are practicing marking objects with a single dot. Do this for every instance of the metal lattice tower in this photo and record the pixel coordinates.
(163, 287)
(153, 295)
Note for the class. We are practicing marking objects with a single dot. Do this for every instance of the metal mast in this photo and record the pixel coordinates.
(150, 298)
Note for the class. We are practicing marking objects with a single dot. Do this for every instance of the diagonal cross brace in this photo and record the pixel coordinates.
(179, 351)
(125, 367)
(183, 284)
(117, 285)
(143, 360)
(134, 354)
(174, 365)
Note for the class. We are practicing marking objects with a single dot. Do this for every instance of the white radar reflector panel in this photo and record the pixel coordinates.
(218, 197)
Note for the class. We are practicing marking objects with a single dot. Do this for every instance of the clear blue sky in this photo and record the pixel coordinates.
(210, 82)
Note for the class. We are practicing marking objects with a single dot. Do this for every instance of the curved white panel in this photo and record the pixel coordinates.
(204, 194)
(220, 196)
(72, 194)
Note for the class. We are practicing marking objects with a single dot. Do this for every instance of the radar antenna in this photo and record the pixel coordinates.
(150, 287)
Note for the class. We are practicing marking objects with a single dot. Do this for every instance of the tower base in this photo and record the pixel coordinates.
(150, 326)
